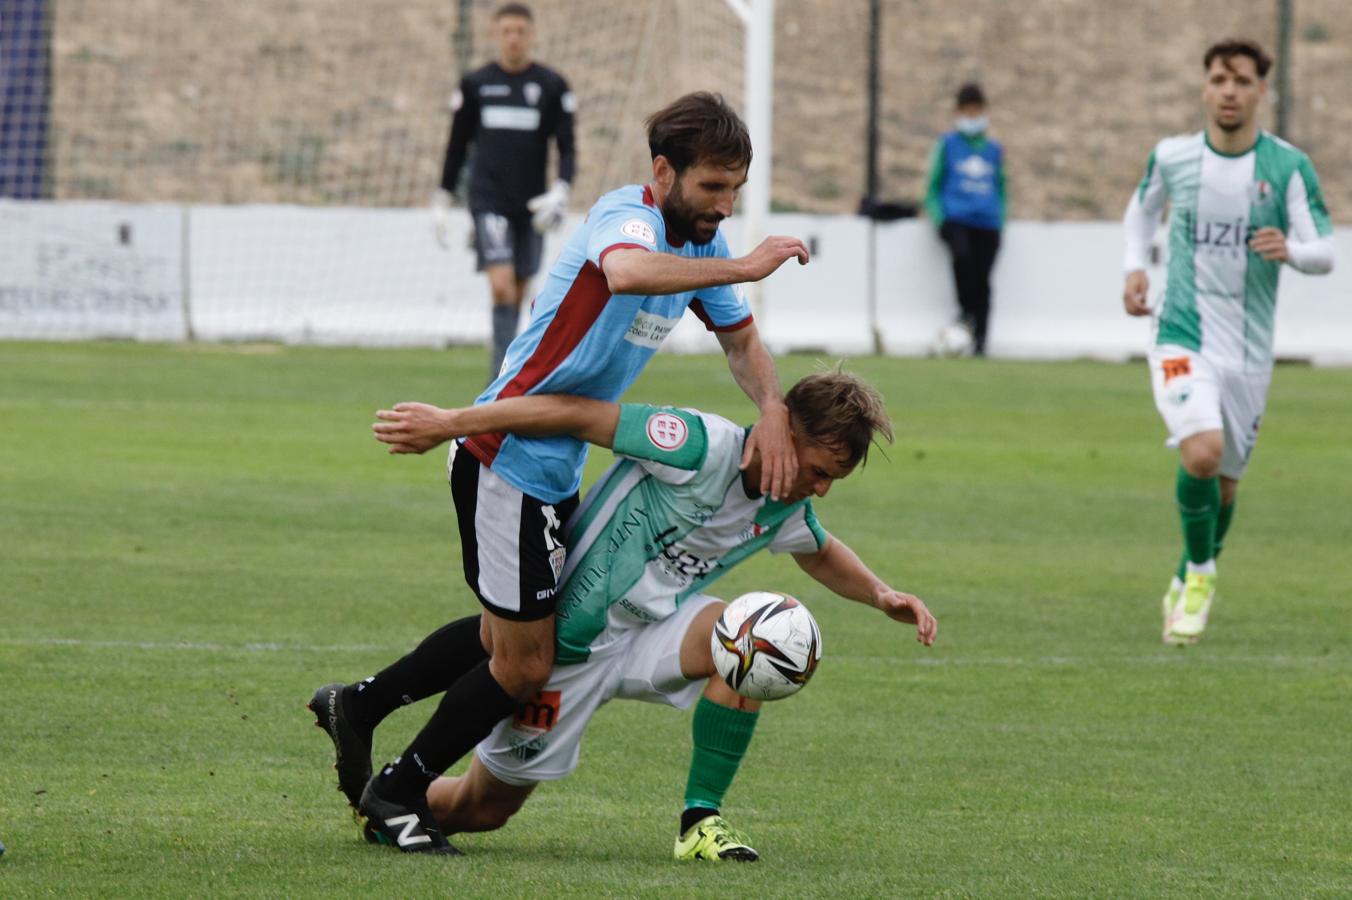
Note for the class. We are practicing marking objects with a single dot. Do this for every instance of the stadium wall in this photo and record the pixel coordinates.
(349, 276)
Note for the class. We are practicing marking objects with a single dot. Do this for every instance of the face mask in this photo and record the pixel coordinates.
(972, 125)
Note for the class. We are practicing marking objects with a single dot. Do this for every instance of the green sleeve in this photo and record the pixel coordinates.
(1315, 198)
(672, 437)
(1145, 181)
(818, 532)
(933, 207)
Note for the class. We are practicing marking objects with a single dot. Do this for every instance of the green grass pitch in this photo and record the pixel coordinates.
(193, 538)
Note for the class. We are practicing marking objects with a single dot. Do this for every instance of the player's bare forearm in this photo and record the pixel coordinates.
(644, 272)
(418, 427)
(752, 367)
(632, 271)
(840, 569)
(754, 371)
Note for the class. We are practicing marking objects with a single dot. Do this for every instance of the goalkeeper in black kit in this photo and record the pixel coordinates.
(509, 110)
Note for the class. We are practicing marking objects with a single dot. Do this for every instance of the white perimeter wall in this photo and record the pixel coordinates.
(377, 277)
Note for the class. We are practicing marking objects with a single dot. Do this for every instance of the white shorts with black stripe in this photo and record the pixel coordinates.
(512, 543)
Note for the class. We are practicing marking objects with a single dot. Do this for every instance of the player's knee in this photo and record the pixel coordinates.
(1203, 461)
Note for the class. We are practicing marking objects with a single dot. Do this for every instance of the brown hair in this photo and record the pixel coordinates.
(840, 411)
(699, 127)
(1229, 48)
(513, 9)
(970, 94)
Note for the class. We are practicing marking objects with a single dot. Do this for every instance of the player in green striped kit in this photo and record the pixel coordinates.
(672, 515)
(1243, 202)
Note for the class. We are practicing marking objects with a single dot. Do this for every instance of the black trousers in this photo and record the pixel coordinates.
(973, 251)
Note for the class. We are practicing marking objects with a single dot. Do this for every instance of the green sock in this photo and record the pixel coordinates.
(1222, 526)
(1199, 502)
(721, 735)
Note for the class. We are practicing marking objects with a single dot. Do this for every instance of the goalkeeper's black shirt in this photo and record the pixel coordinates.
(509, 117)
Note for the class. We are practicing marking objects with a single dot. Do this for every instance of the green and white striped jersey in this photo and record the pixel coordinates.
(667, 519)
(1220, 299)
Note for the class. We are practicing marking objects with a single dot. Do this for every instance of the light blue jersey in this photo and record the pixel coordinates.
(581, 340)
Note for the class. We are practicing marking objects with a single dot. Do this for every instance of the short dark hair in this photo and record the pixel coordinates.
(699, 127)
(840, 411)
(971, 94)
(1229, 48)
(513, 9)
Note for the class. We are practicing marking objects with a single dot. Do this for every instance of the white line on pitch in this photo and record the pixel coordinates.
(1165, 657)
(200, 646)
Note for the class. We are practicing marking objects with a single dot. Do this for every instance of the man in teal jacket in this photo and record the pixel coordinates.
(966, 201)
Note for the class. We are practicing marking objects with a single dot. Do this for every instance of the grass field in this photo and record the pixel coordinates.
(193, 538)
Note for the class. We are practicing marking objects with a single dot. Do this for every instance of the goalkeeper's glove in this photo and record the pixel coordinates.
(549, 208)
(441, 217)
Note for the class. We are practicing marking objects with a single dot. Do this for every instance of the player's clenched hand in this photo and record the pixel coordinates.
(908, 608)
(1134, 293)
(779, 461)
(414, 427)
(771, 254)
(1270, 244)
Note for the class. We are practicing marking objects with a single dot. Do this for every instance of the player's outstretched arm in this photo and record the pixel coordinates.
(839, 568)
(632, 271)
(418, 427)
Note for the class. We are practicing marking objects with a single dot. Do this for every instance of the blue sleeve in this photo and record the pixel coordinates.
(621, 222)
(724, 307)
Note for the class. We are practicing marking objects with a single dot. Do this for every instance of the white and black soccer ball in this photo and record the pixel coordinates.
(766, 645)
(954, 339)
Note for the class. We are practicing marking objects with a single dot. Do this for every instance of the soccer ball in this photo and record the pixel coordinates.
(954, 339)
(766, 645)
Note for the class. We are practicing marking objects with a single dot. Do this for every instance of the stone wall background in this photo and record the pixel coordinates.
(344, 101)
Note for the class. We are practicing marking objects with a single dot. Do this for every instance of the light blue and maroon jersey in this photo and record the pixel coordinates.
(582, 340)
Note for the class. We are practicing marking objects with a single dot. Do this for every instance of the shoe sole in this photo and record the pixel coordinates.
(740, 854)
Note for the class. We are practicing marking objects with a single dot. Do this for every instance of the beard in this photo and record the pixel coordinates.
(687, 223)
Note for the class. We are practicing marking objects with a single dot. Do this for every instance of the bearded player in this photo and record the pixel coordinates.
(644, 255)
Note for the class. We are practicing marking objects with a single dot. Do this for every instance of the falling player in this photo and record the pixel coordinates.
(670, 517)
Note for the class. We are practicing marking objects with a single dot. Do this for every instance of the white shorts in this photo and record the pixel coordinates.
(543, 740)
(1194, 396)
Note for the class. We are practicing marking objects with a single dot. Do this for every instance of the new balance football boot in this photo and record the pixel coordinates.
(712, 838)
(351, 744)
(1198, 592)
(406, 825)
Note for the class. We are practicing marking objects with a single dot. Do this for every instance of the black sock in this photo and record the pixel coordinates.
(430, 668)
(465, 716)
(695, 814)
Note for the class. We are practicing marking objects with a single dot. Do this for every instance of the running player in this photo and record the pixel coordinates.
(509, 110)
(1243, 202)
(644, 254)
(671, 516)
